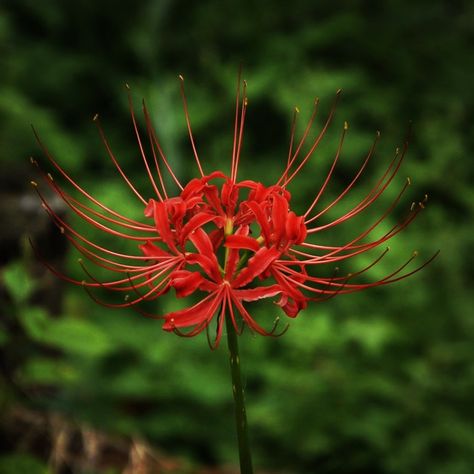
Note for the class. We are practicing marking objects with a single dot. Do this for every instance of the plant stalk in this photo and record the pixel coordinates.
(239, 400)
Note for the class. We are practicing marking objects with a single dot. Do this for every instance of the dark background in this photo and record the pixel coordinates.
(381, 381)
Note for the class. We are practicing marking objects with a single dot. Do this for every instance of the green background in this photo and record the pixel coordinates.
(380, 381)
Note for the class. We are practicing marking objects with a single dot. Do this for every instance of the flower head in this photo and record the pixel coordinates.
(227, 240)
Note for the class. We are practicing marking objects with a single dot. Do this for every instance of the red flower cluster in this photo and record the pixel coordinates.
(229, 241)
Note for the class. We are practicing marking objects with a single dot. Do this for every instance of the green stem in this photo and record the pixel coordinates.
(239, 401)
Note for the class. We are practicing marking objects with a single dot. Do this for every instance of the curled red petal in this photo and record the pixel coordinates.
(202, 242)
(153, 251)
(279, 216)
(256, 266)
(162, 224)
(240, 242)
(209, 265)
(200, 313)
(196, 221)
(254, 294)
(185, 282)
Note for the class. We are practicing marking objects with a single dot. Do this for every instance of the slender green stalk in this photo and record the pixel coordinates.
(239, 401)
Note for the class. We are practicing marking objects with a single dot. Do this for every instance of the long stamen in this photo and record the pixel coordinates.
(114, 160)
(140, 145)
(317, 140)
(331, 171)
(236, 123)
(284, 176)
(156, 143)
(241, 131)
(188, 123)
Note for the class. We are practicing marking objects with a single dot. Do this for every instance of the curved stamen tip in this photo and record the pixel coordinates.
(339, 92)
(127, 86)
(181, 77)
(389, 248)
(346, 125)
(297, 110)
(79, 260)
(316, 101)
(50, 176)
(246, 102)
(61, 229)
(33, 161)
(425, 199)
(413, 204)
(415, 253)
(377, 133)
(95, 118)
(34, 183)
(408, 180)
(126, 297)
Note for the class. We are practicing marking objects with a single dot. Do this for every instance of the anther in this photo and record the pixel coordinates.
(95, 118)
(34, 183)
(421, 205)
(181, 78)
(127, 297)
(412, 206)
(297, 110)
(127, 86)
(246, 102)
(377, 133)
(61, 229)
(50, 176)
(408, 180)
(415, 253)
(346, 126)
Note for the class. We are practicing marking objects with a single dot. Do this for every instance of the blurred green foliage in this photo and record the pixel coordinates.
(379, 382)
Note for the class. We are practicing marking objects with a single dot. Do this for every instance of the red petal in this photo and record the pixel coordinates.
(202, 242)
(261, 219)
(256, 265)
(162, 224)
(200, 313)
(196, 221)
(209, 265)
(295, 228)
(241, 242)
(185, 282)
(151, 250)
(279, 215)
(254, 294)
(150, 208)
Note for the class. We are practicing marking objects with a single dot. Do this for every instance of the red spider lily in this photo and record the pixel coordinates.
(230, 241)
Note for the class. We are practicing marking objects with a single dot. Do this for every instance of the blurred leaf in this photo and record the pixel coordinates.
(22, 464)
(18, 281)
(76, 336)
